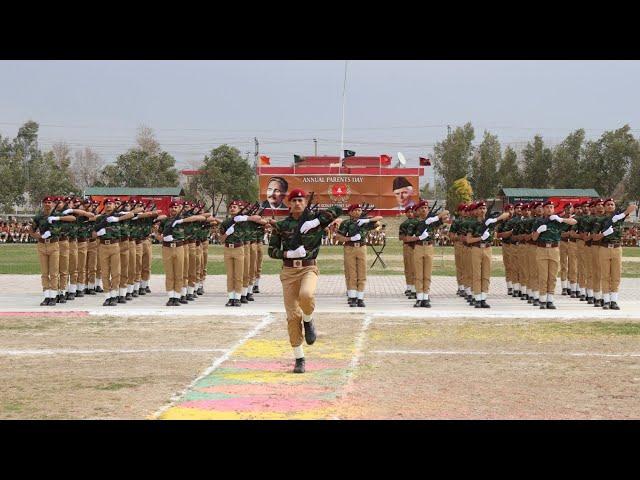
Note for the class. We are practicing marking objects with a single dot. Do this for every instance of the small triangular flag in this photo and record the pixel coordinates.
(425, 162)
(298, 158)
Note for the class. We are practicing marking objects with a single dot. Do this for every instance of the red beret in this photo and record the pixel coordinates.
(518, 205)
(175, 203)
(421, 203)
(239, 203)
(568, 204)
(549, 202)
(109, 200)
(480, 204)
(297, 193)
(117, 199)
(609, 200)
(353, 206)
(596, 202)
(49, 199)
(408, 209)
(461, 207)
(507, 207)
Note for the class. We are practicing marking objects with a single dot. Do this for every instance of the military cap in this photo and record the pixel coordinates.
(49, 198)
(461, 207)
(568, 204)
(175, 203)
(401, 182)
(480, 204)
(508, 206)
(239, 203)
(596, 202)
(518, 205)
(608, 200)
(549, 202)
(297, 193)
(421, 203)
(109, 200)
(408, 209)
(352, 207)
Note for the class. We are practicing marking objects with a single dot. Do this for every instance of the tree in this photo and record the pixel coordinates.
(484, 167)
(632, 183)
(11, 167)
(139, 168)
(452, 156)
(146, 140)
(537, 164)
(566, 160)
(509, 175)
(226, 175)
(86, 168)
(61, 154)
(459, 192)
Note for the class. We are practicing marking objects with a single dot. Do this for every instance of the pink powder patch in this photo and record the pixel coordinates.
(72, 314)
(259, 403)
(281, 366)
(265, 389)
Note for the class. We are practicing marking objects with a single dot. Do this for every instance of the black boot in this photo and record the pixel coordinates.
(141, 291)
(170, 303)
(91, 291)
(255, 289)
(189, 297)
(45, 302)
(230, 303)
(590, 300)
(250, 297)
(583, 298)
(606, 306)
(360, 303)
(201, 290)
(574, 294)
(113, 301)
(70, 296)
(61, 298)
(551, 306)
(299, 368)
(525, 297)
(418, 303)
(86, 291)
(99, 289)
(407, 292)
(484, 304)
(122, 299)
(474, 303)
(134, 294)
(509, 291)
(614, 306)
(564, 291)
(543, 305)
(128, 297)
(531, 300)
(183, 300)
(243, 299)
(236, 303)
(352, 302)
(536, 302)
(107, 303)
(147, 289)
(596, 302)
(425, 304)
(413, 296)
(309, 332)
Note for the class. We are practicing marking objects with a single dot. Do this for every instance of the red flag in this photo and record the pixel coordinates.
(264, 160)
(425, 162)
(385, 160)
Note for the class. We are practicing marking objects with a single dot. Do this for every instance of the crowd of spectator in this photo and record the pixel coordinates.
(14, 231)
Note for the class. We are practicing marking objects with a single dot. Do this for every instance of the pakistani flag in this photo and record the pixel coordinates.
(298, 158)
(349, 153)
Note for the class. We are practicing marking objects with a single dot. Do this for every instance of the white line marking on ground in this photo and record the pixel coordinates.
(539, 315)
(459, 352)
(264, 322)
(69, 351)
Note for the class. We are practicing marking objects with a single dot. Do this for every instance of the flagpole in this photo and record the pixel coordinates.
(344, 92)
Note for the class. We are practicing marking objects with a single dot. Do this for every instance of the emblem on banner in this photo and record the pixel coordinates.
(339, 192)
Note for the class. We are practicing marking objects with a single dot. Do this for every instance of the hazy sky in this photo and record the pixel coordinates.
(391, 106)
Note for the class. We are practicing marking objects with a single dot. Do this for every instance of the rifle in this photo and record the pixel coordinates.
(431, 210)
(489, 210)
(297, 236)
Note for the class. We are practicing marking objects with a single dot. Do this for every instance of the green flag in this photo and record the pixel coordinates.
(298, 158)
(349, 153)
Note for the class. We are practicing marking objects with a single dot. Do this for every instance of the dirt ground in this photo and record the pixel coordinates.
(362, 366)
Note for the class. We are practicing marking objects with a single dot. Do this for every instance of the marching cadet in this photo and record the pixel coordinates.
(78, 247)
(547, 231)
(503, 232)
(454, 230)
(587, 223)
(107, 231)
(63, 247)
(610, 252)
(599, 218)
(568, 255)
(531, 261)
(353, 232)
(147, 229)
(92, 253)
(46, 229)
(190, 239)
(519, 237)
(298, 246)
(172, 236)
(98, 270)
(480, 238)
(232, 237)
(407, 254)
(260, 231)
(465, 253)
(576, 235)
(72, 229)
(123, 247)
(141, 223)
(422, 231)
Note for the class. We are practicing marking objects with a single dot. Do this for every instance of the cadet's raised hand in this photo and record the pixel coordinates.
(556, 218)
(101, 232)
(112, 219)
(541, 228)
(608, 231)
(177, 222)
(299, 252)
(229, 231)
(424, 235)
(308, 225)
(363, 221)
(240, 218)
(53, 219)
(356, 237)
(485, 234)
(46, 235)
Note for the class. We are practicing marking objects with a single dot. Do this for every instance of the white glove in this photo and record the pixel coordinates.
(431, 220)
(112, 219)
(167, 238)
(490, 221)
(306, 226)
(424, 235)
(541, 228)
(53, 219)
(240, 218)
(299, 252)
(355, 238)
(46, 234)
(556, 218)
(363, 221)
(101, 232)
(68, 211)
(485, 235)
(617, 218)
(230, 230)
(608, 231)
(177, 222)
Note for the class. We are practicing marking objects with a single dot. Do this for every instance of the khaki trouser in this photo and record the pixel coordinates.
(522, 266)
(506, 260)
(596, 274)
(98, 268)
(63, 264)
(467, 274)
(610, 268)
(173, 263)
(110, 265)
(138, 276)
(146, 259)
(515, 267)
(532, 262)
(572, 262)
(253, 265)
(582, 274)
(124, 263)
(192, 264)
(205, 258)
(185, 265)
(246, 265)
(423, 262)
(588, 267)
(409, 267)
(198, 262)
(548, 261)
(299, 288)
(73, 262)
(82, 262)
(131, 277)
(259, 259)
(234, 266)
(49, 256)
(92, 261)
(355, 267)
(481, 260)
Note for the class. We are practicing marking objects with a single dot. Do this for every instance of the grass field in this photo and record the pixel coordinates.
(23, 259)
(362, 366)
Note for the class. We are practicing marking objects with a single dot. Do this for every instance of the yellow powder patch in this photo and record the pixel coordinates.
(263, 376)
(179, 413)
(264, 349)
